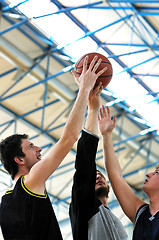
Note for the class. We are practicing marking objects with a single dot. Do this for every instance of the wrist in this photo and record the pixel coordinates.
(83, 89)
(107, 134)
(93, 110)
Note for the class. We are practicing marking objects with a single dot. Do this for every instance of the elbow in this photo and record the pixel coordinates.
(74, 139)
(70, 139)
(73, 135)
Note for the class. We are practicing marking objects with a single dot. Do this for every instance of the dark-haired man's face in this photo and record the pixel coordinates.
(32, 153)
(101, 186)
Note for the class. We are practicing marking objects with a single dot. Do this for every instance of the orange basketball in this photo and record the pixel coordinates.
(106, 77)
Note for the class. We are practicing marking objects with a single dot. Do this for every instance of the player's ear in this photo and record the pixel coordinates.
(19, 160)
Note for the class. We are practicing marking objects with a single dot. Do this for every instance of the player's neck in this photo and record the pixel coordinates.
(21, 172)
(104, 201)
(154, 205)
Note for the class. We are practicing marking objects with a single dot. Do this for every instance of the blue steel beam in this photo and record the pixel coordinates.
(124, 107)
(129, 68)
(16, 25)
(34, 85)
(148, 22)
(142, 168)
(148, 13)
(147, 75)
(129, 7)
(134, 27)
(14, 16)
(122, 103)
(11, 6)
(32, 32)
(43, 48)
(30, 28)
(68, 9)
(128, 53)
(134, 76)
(8, 72)
(5, 123)
(155, 47)
(148, 8)
(134, 156)
(55, 128)
(21, 78)
(142, 24)
(88, 34)
(99, 43)
(33, 111)
(68, 107)
(8, 125)
(134, 1)
(37, 109)
(39, 36)
(16, 116)
(45, 93)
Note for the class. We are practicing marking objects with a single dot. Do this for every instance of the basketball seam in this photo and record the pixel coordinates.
(89, 64)
(98, 77)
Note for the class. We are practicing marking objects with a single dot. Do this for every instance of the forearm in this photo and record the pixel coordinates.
(85, 174)
(125, 195)
(112, 165)
(92, 121)
(76, 117)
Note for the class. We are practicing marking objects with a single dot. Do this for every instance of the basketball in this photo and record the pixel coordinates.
(106, 77)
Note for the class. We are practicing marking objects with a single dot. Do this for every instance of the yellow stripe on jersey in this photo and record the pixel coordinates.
(31, 192)
(9, 191)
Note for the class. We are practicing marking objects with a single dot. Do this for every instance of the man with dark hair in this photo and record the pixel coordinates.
(9, 148)
(26, 212)
(91, 219)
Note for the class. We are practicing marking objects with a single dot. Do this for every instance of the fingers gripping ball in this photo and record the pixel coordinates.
(106, 77)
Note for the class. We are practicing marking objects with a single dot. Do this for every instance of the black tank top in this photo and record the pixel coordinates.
(25, 215)
(146, 225)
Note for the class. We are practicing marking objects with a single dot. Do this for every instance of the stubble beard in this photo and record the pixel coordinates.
(102, 192)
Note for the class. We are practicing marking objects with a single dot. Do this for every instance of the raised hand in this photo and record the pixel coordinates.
(88, 77)
(106, 125)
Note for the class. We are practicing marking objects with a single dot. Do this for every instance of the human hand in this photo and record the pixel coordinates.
(88, 77)
(106, 125)
(94, 97)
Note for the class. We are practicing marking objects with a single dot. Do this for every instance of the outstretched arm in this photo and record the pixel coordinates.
(93, 108)
(125, 195)
(83, 189)
(41, 171)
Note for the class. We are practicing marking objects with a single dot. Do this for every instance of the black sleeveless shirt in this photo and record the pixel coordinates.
(146, 225)
(27, 215)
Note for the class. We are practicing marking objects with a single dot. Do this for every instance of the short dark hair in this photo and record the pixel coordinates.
(11, 147)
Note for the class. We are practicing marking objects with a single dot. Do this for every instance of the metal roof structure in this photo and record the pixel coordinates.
(38, 90)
